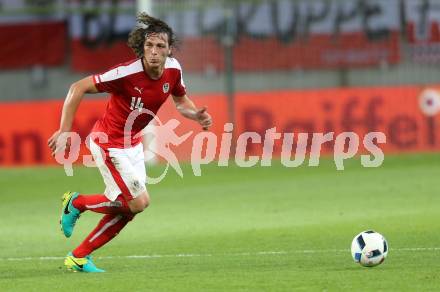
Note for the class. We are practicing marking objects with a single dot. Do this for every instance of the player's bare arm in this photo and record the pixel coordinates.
(187, 108)
(71, 103)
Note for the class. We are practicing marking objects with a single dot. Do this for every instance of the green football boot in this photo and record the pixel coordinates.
(85, 264)
(69, 214)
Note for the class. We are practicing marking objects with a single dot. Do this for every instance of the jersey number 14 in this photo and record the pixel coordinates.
(136, 103)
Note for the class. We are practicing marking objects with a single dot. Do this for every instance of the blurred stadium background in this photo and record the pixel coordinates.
(301, 66)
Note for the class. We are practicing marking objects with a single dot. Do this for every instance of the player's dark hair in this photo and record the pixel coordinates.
(145, 26)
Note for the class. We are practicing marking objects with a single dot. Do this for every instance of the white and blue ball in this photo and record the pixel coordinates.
(369, 248)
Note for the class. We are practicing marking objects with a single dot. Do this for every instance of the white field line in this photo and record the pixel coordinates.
(261, 253)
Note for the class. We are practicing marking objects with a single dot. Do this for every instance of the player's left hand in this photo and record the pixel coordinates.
(204, 118)
(58, 142)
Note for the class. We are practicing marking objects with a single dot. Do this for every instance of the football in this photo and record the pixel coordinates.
(369, 248)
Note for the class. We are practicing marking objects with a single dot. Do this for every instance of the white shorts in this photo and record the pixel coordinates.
(123, 170)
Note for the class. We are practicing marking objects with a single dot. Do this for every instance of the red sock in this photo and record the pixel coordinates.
(100, 204)
(107, 228)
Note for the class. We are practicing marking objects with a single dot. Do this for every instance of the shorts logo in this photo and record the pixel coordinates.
(166, 87)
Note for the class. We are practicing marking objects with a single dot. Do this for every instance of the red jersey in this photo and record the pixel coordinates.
(131, 89)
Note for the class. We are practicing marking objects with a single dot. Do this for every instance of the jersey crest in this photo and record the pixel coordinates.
(166, 87)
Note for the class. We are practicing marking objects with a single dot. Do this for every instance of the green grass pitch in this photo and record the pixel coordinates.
(233, 229)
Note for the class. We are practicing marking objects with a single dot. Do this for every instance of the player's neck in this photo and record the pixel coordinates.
(153, 73)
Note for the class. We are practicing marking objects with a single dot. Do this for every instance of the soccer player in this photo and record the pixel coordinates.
(142, 83)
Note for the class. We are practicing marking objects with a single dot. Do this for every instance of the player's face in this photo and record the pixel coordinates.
(156, 50)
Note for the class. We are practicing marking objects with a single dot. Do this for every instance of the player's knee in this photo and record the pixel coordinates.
(145, 201)
(139, 204)
(136, 208)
